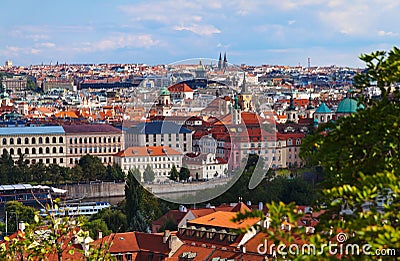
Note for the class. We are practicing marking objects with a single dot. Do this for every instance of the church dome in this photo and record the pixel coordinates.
(349, 105)
(163, 91)
(323, 109)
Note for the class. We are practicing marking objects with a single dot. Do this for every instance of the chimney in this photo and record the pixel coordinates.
(243, 249)
(166, 236)
(99, 234)
(260, 206)
(21, 226)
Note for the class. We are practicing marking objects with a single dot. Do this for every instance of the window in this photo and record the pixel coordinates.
(11, 151)
(11, 141)
(33, 150)
(47, 161)
(40, 140)
(54, 140)
(19, 141)
(128, 256)
(85, 140)
(184, 136)
(80, 140)
(55, 161)
(71, 161)
(40, 150)
(19, 151)
(4, 141)
(47, 140)
(54, 150)
(61, 150)
(47, 150)
(26, 151)
(26, 140)
(61, 140)
(114, 140)
(33, 140)
(76, 140)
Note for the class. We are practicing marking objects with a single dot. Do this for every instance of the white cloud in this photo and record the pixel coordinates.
(383, 33)
(290, 22)
(47, 45)
(206, 30)
(118, 41)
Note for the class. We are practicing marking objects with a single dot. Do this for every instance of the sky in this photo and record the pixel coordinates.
(253, 32)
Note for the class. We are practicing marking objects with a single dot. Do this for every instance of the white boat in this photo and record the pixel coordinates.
(77, 209)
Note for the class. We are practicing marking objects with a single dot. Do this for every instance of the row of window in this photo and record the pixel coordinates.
(103, 160)
(93, 150)
(33, 140)
(48, 161)
(90, 140)
(28, 151)
(164, 137)
(149, 159)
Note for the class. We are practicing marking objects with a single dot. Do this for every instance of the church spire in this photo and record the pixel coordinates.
(220, 62)
(225, 63)
(244, 87)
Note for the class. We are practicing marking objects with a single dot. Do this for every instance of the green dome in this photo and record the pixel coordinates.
(323, 109)
(349, 105)
(163, 91)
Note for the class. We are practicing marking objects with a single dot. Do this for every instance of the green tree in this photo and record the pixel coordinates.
(173, 174)
(96, 225)
(17, 212)
(184, 174)
(115, 219)
(92, 168)
(360, 157)
(133, 197)
(148, 174)
(114, 172)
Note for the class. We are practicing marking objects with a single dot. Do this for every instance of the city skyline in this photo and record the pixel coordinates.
(332, 32)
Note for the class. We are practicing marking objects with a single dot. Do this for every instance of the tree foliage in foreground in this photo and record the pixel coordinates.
(360, 156)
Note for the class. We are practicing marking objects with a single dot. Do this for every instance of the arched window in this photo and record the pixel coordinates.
(40, 140)
(109, 139)
(119, 139)
(70, 140)
(105, 140)
(47, 150)
(33, 150)
(95, 140)
(60, 140)
(54, 150)
(90, 140)
(85, 140)
(54, 140)
(4, 141)
(80, 140)
(114, 140)
(11, 151)
(61, 150)
(26, 151)
(47, 140)
(19, 141)
(76, 140)
(26, 140)
(11, 141)
(5, 151)
(33, 140)
(19, 151)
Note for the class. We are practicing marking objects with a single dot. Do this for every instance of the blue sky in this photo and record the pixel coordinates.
(284, 32)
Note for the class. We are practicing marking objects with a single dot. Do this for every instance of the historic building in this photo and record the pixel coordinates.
(37, 144)
(159, 158)
(159, 133)
(98, 140)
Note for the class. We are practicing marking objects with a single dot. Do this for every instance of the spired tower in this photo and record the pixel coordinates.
(163, 106)
(220, 62)
(225, 62)
(245, 96)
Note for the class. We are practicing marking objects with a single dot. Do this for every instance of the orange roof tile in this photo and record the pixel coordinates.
(223, 219)
(148, 151)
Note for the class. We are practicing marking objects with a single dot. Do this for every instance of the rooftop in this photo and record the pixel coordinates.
(32, 130)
